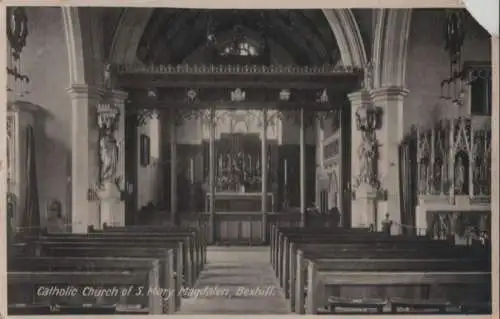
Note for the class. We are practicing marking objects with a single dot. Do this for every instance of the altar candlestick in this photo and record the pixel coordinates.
(191, 170)
(286, 173)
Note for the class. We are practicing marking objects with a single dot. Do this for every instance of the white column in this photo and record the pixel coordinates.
(390, 135)
(302, 168)
(84, 156)
(211, 174)
(112, 206)
(173, 166)
(264, 174)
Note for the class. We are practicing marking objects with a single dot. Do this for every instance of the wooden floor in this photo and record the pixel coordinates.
(236, 280)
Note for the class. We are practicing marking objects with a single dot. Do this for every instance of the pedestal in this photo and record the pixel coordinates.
(366, 207)
(112, 207)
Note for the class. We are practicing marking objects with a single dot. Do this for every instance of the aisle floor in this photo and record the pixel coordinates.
(236, 280)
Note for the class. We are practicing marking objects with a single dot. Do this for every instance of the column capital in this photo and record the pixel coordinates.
(85, 91)
(361, 96)
(389, 93)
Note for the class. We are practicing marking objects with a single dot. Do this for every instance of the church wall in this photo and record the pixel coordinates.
(45, 61)
(428, 65)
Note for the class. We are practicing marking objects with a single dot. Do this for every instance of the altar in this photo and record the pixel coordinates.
(239, 202)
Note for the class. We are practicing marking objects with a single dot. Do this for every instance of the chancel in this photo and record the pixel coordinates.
(208, 161)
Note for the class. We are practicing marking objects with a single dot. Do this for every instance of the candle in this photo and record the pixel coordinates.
(192, 170)
(286, 173)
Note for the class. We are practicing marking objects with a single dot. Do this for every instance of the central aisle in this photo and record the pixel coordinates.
(236, 280)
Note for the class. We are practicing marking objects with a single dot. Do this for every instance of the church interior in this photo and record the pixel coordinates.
(202, 161)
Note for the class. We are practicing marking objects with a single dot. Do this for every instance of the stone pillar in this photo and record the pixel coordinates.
(302, 168)
(211, 174)
(173, 167)
(112, 204)
(390, 101)
(364, 206)
(264, 175)
(84, 156)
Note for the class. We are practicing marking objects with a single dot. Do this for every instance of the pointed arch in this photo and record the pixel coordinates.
(392, 30)
(133, 23)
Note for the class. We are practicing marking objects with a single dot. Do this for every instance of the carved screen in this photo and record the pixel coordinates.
(238, 147)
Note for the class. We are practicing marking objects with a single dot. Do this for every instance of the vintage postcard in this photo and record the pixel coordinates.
(226, 161)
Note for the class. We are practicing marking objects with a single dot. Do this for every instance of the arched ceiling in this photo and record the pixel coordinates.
(171, 35)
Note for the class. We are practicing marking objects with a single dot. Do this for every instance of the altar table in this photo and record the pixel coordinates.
(239, 202)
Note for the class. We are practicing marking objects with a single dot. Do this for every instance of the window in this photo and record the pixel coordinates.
(480, 90)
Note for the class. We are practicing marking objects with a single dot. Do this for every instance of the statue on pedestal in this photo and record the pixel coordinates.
(108, 145)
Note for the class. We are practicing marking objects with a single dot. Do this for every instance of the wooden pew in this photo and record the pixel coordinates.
(382, 272)
(372, 250)
(372, 240)
(367, 253)
(165, 255)
(195, 245)
(80, 280)
(56, 264)
(166, 241)
(276, 232)
(200, 230)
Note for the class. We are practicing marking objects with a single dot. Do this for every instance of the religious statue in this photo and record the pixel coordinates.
(368, 155)
(108, 145)
(460, 176)
(108, 155)
(107, 76)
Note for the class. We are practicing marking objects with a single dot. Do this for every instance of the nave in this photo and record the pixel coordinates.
(168, 269)
(244, 271)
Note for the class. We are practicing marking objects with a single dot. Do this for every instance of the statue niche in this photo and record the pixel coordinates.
(461, 172)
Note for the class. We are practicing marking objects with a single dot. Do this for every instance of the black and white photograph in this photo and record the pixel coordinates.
(195, 161)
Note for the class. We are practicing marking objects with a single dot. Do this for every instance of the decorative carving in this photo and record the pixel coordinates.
(452, 156)
(107, 76)
(461, 181)
(443, 224)
(367, 121)
(108, 115)
(285, 95)
(153, 93)
(368, 76)
(10, 150)
(191, 96)
(423, 158)
(245, 69)
(238, 95)
(322, 96)
(481, 170)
